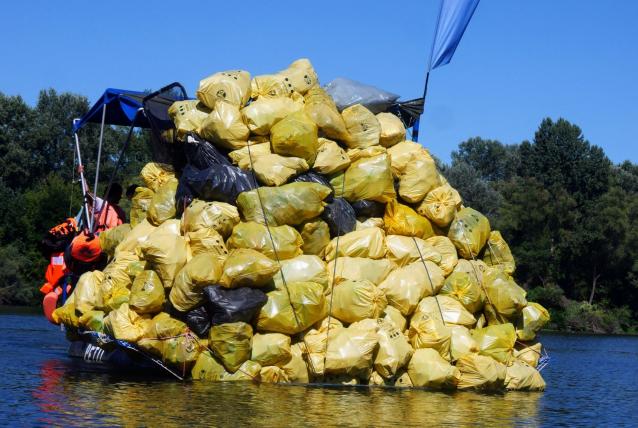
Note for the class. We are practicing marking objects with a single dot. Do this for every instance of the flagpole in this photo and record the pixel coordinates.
(415, 127)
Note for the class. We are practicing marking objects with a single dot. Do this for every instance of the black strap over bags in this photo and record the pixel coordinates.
(232, 305)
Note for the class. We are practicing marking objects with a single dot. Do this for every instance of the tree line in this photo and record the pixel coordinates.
(568, 212)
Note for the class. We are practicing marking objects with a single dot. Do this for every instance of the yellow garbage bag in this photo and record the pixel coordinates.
(140, 203)
(395, 316)
(368, 243)
(290, 315)
(290, 204)
(351, 350)
(522, 377)
(262, 114)
(117, 297)
(322, 110)
(207, 241)
(496, 341)
(498, 253)
(125, 324)
(207, 368)
(367, 152)
(269, 85)
(271, 349)
(360, 269)
(354, 301)
(475, 268)
(469, 232)
(248, 371)
(155, 174)
(300, 76)
(92, 320)
(241, 157)
(503, 293)
(315, 342)
(367, 178)
(462, 342)
(162, 205)
(445, 247)
(295, 135)
(370, 222)
(165, 253)
(163, 326)
(273, 374)
(231, 343)
(394, 350)
(480, 372)
(430, 332)
(464, 287)
(428, 369)
(406, 286)
(529, 354)
(452, 310)
(403, 380)
(419, 177)
(403, 251)
(245, 267)
(66, 314)
(296, 369)
(147, 293)
(392, 129)
(187, 116)
(401, 154)
(275, 170)
(534, 317)
(88, 291)
(201, 215)
(331, 158)
(181, 352)
(111, 238)
(303, 268)
(136, 236)
(286, 240)
(362, 125)
(232, 86)
(315, 235)
(225, 127)
(440, 205)
(400, 219)
(187, 291)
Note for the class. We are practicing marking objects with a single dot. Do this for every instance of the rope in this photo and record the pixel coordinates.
(332, 284)
(274, 248)
(489, 301)
(72, 182)
(97, 169)
(427, 271)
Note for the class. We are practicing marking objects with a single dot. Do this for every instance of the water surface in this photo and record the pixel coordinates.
(591, 381)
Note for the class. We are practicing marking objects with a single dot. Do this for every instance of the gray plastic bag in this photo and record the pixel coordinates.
(346, 93)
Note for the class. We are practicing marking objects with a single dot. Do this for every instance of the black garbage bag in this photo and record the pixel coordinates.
(340, 217)
(198, 320)
(217, 182)
(202, 154)
(231, 305)
(314, 177)
(367, 208)
(183, 197)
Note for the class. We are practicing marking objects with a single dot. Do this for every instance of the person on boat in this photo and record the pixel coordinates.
(107, 213)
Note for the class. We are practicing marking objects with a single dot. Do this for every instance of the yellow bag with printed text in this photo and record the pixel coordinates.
(362, 125)
(392, 129)
(155, 174)
(331, 158)
(187, 116)
(147, 293)
(225, 127)
(400, 219)
(469, 232)
(287, 241)
(231, 343)
(440, 205)
(230, 86)
(262, 114)
(201, 215)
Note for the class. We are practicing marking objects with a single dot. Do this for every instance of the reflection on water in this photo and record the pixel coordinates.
(591, 381)
(70, 398)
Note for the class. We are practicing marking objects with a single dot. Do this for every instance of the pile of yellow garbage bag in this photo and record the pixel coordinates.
(349, 259)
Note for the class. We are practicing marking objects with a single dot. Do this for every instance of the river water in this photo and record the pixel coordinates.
(591, 381)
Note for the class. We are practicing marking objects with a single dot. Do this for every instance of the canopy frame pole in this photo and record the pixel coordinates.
(105, 204)
(85, 189)
(97, 166)
(415, 127)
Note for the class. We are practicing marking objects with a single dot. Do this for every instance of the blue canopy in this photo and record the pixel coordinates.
(121, 107)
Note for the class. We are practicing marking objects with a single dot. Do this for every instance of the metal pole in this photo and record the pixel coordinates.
(81, 170)
(97, 166)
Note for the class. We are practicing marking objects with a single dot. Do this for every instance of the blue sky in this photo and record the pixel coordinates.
(518, 62)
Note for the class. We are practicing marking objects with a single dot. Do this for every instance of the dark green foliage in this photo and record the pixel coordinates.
(37, 190)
